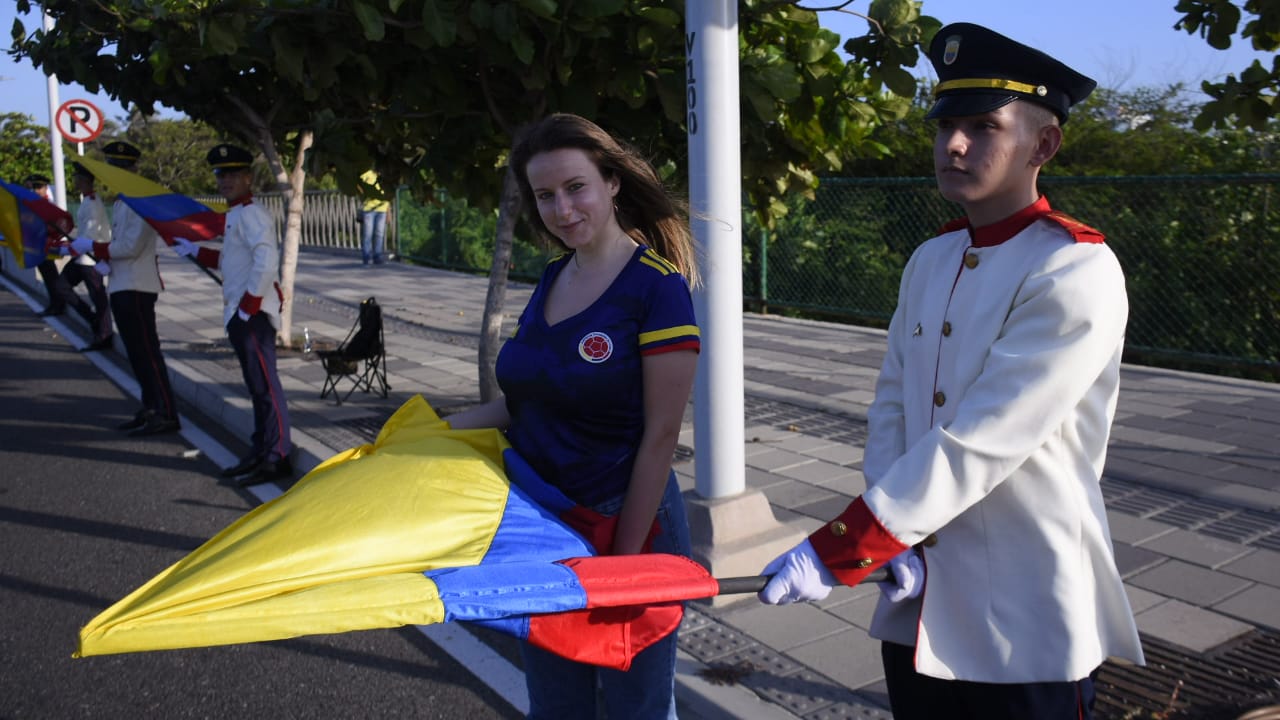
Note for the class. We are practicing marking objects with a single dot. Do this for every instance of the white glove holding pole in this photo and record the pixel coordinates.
(798, 576)
(184, 247)
(82, 245)
(908, 577)
(102, 268)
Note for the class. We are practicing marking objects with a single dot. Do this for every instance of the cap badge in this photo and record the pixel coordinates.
(952, 50)
(1042, 90)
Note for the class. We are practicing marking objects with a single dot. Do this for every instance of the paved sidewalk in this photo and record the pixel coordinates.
(1192, 482)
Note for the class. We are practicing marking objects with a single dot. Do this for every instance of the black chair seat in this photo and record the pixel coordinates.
(361, 358)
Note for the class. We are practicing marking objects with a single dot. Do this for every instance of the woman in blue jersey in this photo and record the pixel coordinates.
(597, 375)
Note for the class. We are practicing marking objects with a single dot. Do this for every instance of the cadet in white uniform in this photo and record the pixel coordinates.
(989, 428)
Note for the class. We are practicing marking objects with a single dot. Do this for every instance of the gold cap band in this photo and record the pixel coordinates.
(990, 84)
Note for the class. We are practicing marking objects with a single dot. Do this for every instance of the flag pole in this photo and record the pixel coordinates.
(756, 583)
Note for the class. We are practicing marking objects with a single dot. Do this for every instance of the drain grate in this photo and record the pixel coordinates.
(1219, 685)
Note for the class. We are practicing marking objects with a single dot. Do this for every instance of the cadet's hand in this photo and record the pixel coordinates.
(102, 268)
(242, 315)
(184, 247)
(798, 575)
(82, 245)
(908, 577)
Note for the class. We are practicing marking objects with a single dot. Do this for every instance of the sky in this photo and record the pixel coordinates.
(1123, 44)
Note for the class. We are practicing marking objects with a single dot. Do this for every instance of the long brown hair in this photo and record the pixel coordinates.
(644, 208)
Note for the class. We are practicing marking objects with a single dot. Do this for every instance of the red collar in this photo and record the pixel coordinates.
(245, 200)
(998, 232)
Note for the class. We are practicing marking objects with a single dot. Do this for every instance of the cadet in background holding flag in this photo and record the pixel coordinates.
(135, 286)
(48, 267)
(91, 223)
(249, 262)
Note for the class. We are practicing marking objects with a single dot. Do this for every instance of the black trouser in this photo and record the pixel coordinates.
(255, 343)
(54, 285)
(99, 315)
(135, 314)
(919, 697)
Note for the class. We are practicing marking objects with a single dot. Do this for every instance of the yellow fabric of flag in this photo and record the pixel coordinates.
(342, 550)
(122, 181)
(11, 226)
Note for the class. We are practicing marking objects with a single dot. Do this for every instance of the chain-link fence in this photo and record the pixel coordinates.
(1201, 254)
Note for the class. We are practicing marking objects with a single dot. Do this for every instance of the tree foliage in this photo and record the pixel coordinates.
(24, 147)
(1248, 99)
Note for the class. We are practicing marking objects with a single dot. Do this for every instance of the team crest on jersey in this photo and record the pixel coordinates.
(595, 347)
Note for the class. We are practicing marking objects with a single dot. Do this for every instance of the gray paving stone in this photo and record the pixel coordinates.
(1195, 548)
(1188, 626)
(1131, 559)
(801, 443)
(826, 508)
(816, 472)
(852, 484)
(1140, 599)
(801, 693)
(760, 479)
(793, 494)
(1260, 565)
(857, 611)
(1259, 605)
(1126, 528)
(839, 453)
(1189, 583)
(785, 626)
(851, 658)
(863, 710)
(773, 459)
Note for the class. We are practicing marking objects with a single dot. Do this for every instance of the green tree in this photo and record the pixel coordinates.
(173, 152)
(430, 92)
(24, 147)
(1249, 99)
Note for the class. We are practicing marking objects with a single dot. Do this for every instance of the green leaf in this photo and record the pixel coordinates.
(899, 81)
(542, 8)
(782, 81)
(370, 20)
(890, 13)
(522, 46)
(288, 59)
(439, 22)
(222, 38)
(661, 16)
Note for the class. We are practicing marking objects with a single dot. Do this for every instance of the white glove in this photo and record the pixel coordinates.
(82, 245)
(242, 315)
(798, 575)
(184, 247)
(64, 250)
(103, 268)
(908, 576)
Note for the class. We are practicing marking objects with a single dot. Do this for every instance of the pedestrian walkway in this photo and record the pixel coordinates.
(1192, 483)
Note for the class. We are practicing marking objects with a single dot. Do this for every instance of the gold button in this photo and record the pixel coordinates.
(864, 562)
(971, 261)
(929, 541)
(839, 529)
(946, 329)
(939, 399)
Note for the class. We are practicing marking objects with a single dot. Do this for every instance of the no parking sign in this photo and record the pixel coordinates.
(79, 121)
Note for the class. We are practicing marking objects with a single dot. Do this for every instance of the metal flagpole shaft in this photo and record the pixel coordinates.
(756, 583)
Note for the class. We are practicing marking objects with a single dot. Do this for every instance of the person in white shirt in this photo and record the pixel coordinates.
(989, 428)
(134, 288)
(91, 223)
(250, 262)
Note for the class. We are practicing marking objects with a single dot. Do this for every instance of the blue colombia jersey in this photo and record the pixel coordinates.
(574, 389)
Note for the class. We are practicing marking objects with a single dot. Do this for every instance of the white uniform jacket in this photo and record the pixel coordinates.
(989, 430)
(131, 252)
(92, 222)
(249, 262)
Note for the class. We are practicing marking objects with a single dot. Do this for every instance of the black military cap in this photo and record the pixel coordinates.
(980, 70)
(121, 153)
(35, 180)
(229, 157)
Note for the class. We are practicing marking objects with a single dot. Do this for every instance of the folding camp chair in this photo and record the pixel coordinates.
(360, 358)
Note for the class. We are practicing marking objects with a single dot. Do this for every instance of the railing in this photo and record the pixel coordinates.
(1201, 254)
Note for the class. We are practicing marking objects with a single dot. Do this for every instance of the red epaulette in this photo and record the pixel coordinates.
(959, 223)
(1079, 231)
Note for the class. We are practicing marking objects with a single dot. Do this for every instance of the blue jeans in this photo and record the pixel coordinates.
(561, 689)
(373, 235)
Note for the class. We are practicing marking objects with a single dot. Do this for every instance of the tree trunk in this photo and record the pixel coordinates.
(293, 237)
(491, 332)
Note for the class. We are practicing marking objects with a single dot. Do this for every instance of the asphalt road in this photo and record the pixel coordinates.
(88, 514)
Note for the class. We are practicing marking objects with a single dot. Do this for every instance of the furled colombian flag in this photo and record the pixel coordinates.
(25, 219)
(171, 214)
(422, 526)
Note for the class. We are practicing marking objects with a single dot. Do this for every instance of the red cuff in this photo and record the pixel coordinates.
(208, 257)
(102, 250)
(250, 304)
(854, 544)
